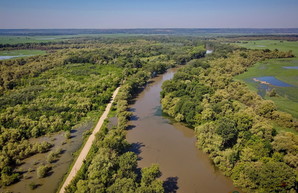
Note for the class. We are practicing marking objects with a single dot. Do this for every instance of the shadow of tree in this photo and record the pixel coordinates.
(136, 147)
(130, 127)
(170, 185)
(133, 118)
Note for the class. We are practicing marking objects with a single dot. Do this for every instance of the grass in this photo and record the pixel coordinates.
(28, 39)
(271, 44)
(287, 100)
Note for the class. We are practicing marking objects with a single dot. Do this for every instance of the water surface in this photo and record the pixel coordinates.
(9, 57)
(209, 51)
(172, 145)
(291, 67)
(50, 183)
(273, 81)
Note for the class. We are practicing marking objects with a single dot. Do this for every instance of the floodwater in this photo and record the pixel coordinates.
(209, 51)
(9, 57)
(273, 81)
(185, 169)
(291, 67)
(50, 183)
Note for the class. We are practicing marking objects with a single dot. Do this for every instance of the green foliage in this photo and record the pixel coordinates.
(8, 179)
(67, 135)
(43, 170)
(123, 185)
(227, 130)
(53, 155)
(264, 177)
(33, 185)
(149, 175)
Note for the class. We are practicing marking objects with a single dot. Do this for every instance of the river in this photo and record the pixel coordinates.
(156, 139)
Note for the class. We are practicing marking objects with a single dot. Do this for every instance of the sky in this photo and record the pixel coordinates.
(119, 14)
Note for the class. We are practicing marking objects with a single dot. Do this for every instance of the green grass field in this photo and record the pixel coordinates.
(271, 44)
(287, 99)
(21, 52)
(28, 39)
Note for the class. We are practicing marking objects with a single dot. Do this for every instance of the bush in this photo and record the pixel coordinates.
(42, 171)
(32, 186)
(51, 157)
(67, 135)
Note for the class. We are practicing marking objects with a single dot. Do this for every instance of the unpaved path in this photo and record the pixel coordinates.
(79, 162)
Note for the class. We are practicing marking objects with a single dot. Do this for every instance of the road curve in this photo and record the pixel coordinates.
(83, 154)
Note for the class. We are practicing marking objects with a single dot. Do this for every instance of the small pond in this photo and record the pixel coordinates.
(209, 51)
(272, 81)
(9, 57)
(291, 67)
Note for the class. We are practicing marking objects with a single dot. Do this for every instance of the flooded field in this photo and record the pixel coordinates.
(271, 80)
(10, 57)
(50, 183)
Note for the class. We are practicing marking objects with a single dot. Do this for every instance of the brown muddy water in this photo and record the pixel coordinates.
(50, 183)
(185, 169)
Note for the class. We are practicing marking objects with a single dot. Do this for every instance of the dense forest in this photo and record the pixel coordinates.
(241, 132)
(73, 81)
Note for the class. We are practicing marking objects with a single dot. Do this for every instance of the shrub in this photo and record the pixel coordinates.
(42, 171)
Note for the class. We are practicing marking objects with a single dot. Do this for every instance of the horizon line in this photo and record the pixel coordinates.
(149, 28)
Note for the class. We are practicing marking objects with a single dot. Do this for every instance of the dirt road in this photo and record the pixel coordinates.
(79, 162)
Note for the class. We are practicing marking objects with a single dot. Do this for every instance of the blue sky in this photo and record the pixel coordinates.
(148, 14)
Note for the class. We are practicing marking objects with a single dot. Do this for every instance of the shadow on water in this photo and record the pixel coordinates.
(130, 127)
(139, 91)
(150, 82)
(133, 118)
(158, 111)
(132, 109)
(170, 185)
(136, 147)
(49, 173)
